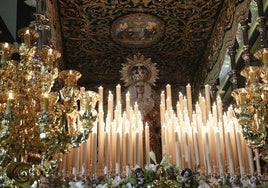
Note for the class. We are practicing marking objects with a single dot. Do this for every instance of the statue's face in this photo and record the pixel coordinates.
(139, 87)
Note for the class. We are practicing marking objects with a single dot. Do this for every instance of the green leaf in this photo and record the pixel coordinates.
(164, 160)
(149, 176)
(153, 157)
(132, 180)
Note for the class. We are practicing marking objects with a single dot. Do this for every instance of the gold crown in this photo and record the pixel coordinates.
(139, 73)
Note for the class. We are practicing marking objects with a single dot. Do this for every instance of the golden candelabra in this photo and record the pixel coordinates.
(252, 100)
(252, 104)
(37, 123)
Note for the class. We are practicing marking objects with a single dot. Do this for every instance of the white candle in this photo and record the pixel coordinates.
(177, 150)
(133, 148)
(162, 113)
(84, 160)
(219, 106)
(110, 104)
(168, 102)
(230, 153)
(141, 133)
(100, 94)
(90, 152)
(196, 148)
(207, 149)
(118, 94)
(74, 172)
(127, 148)
(257, 159)
(119, 107)
(219, 154)
(203, 110)
(214, 112)
(168, 89)
(163, 139)
(239, 151)
(100, 107)
(64, 164)
(106, 150)
(127, 170)
(116, 116)
(118, 153)
(186, 148)
(147, 144)
(162, 97)
(105, 170)
(250, 161)
(136, 108)
(128, 105)
(113, 143)
(189, 100)
(94, 150)
(101, 115)
(137, 148)
(101, 140)
(76, 161)
(181, 102)
(185, 110)
(207, 95)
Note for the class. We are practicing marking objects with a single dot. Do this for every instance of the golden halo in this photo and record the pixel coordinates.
(139, 69)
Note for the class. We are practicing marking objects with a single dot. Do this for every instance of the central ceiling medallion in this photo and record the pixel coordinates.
(137, 30)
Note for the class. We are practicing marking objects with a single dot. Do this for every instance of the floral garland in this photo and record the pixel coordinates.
(163, 175)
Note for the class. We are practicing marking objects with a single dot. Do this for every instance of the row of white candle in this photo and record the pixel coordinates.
(206, 139)
(116, 144)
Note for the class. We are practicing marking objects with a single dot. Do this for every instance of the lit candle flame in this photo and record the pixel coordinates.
(10, 95)
(49, 52)
(6, 45)
(45, 95)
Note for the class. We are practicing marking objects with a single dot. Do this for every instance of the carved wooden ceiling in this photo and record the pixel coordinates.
(179, 36)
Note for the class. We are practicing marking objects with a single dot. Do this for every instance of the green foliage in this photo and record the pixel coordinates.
(149, 176)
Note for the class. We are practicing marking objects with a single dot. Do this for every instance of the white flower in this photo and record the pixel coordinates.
(151, 167)
(72, 184)
(116, 181)
(202, 184)
(129, 185)
(101, 186)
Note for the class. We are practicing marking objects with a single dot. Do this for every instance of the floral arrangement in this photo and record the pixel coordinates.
(162, 175)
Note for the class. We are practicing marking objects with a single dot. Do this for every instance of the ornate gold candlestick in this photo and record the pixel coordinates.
(36, 122)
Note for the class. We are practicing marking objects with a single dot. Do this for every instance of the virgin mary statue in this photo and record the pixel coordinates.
(139, 75)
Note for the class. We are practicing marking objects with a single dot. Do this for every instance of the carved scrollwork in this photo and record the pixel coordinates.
(22, 173)
(223, 35)
(87, 27)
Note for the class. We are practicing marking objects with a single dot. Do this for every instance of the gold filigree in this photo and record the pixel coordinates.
(35, 123)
